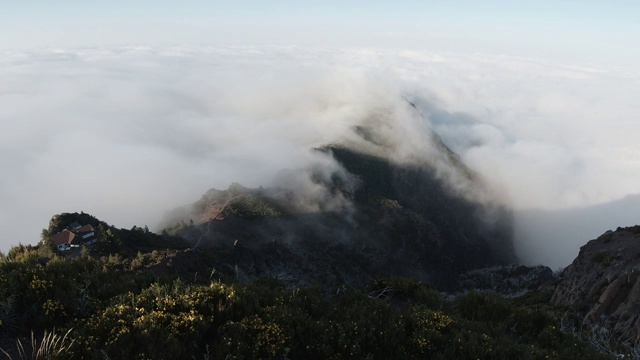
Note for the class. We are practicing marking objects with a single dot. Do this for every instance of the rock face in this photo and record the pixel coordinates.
(510, 280)
(372, 218)
(605, 280)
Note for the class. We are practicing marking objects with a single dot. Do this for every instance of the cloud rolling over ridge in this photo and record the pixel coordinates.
(128, 133)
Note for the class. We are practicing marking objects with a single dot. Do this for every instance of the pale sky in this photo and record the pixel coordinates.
(598, 31)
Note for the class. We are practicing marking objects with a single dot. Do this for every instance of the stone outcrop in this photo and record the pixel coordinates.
(605, 279)
(510, 280)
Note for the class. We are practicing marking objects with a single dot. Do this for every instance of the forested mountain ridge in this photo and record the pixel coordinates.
(374, 259)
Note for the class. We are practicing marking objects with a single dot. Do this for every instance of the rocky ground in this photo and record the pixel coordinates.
(603, 282)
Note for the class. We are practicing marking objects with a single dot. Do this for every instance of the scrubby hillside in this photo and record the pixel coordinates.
(164, 302)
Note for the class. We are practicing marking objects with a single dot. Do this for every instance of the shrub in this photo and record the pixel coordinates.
(252, 338)
(484, 306)
(406, 289)
(602, 257)
(163, 321)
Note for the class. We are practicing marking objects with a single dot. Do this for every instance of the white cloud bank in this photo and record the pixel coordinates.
(128, 133)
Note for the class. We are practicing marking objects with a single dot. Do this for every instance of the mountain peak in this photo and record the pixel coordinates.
(373, 216)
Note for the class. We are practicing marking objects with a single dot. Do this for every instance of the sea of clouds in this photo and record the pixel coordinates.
(128, 133)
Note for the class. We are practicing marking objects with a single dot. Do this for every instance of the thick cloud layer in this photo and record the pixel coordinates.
(128, 133)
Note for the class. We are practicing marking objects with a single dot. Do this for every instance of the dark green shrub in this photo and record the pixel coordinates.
(252, 338)
(483, 306)
(405, 289)
(602, 257)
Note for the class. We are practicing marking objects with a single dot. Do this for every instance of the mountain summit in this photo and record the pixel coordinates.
(369, 216)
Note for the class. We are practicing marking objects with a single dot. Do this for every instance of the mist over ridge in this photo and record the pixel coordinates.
(129, 133)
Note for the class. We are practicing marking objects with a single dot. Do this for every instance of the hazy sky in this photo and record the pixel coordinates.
(127, 109)
(581, 29)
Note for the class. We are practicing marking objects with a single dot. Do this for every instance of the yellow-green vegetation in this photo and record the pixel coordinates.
(113, 306)
(159, 322)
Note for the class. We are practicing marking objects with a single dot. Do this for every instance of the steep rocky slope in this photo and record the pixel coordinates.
(603, 282)
(509, 280)
(371, 217)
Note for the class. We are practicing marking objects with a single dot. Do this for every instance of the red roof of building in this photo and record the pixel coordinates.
(64, 236)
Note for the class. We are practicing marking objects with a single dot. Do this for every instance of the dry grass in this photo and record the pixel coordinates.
(52, 346)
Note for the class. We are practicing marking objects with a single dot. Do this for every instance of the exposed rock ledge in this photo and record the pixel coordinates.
(604, 280)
